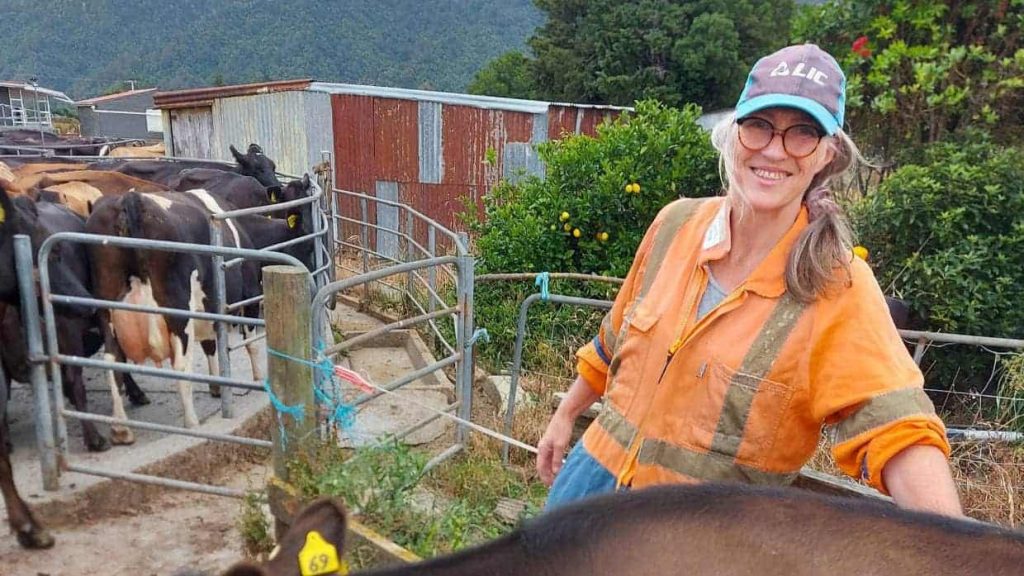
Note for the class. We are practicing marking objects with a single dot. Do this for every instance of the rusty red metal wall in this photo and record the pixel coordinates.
(395, 140)
(353, 150)
(377, 139)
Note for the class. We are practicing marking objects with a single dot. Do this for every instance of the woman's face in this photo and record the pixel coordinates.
(772, 179)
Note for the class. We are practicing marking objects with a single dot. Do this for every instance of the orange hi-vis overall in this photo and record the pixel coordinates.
(743, 393)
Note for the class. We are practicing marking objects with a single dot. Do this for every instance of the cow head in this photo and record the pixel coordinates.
(314, 544)
(300, 218)
(256, 164)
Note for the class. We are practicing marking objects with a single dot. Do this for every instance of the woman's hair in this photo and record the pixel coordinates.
(827, 242)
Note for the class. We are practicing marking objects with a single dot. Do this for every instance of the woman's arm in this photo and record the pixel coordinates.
(552, 446)
(918, 478)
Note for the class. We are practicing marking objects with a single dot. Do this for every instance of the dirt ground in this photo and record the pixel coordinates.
(175, 532)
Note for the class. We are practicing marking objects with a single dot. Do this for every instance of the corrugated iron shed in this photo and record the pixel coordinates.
(193, 97)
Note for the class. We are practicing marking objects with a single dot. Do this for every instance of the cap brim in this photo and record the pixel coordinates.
(817, 111)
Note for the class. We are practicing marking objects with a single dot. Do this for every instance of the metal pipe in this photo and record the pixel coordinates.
(517, 353)
(227, 409)
(320, 300)
(169, 429)
(387, 258)
(460, 246)
(179, 247)
(971, 434)
(401, 324)
(173, 312)
(556, 275)
(269, 208)
(410, 377)
(243, 303)
(41, 411)
(464, 370)
(364, 238)
(158, 481)
(157, 372)
(442, 457)
(311, 237)
(247, 341)
(435, 330)
(964, 339)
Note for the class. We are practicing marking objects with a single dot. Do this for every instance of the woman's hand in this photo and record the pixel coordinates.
(552, 447)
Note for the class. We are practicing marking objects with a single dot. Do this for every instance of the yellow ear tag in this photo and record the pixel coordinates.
(319, 558)
(273, 197)
(3, 215)
(292, 221)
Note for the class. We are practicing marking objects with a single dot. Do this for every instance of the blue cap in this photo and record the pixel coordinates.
(804, 77)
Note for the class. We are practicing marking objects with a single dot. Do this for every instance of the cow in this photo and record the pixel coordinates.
(158, 278)
(239, 190)
(68, 267)
(108, 182)
(720, 529)
(259, 232)
(253, 163)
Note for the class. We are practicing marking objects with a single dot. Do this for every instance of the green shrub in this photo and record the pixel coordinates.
(587, 215)
(948, 235)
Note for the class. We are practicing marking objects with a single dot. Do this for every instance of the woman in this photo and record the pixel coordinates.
(745, 325)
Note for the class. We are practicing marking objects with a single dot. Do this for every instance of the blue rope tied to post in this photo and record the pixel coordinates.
(480, 334)
(339, 412)
(542, 281)
(298, 412)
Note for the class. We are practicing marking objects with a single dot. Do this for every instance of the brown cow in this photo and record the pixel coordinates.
(44, 167)
(110, 183)
(724, 529)
(78, 196)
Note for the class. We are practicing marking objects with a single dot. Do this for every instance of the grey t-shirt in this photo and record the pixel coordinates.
(711, 298)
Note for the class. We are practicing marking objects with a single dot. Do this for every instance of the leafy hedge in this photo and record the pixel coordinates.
(948, 235)
(587, 215)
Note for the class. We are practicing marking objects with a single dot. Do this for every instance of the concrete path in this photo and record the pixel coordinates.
(192, 459)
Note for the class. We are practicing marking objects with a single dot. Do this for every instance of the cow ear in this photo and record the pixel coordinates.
(317, 534)
(238, 155)
(305, 180)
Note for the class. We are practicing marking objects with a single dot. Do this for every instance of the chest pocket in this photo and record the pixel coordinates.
(633, 343)
(741, 410)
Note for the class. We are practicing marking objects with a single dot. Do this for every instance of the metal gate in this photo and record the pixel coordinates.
(51, 418)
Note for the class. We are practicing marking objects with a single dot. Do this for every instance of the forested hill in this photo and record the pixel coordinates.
(87, 47)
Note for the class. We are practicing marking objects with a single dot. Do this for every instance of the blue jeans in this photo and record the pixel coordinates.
(581, 476)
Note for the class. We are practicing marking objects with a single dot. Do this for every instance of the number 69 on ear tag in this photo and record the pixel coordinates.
(319, 558)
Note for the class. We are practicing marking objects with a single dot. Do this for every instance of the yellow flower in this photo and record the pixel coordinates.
(861, 252)
(576, 233)
(563, 217)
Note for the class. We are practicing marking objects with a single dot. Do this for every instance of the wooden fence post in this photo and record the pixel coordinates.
(287, 309)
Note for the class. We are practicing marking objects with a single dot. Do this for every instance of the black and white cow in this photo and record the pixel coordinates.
(253, 163)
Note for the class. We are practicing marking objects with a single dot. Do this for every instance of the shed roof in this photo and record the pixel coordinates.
(26, 86)
(493, 102)
(112, 97)
(192, 97)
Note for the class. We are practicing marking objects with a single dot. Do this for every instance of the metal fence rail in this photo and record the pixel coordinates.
(461, 357)
(57, 448)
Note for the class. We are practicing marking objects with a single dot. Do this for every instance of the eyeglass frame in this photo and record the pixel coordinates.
(775, 131)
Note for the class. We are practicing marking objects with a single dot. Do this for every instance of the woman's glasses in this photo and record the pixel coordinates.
(799, 140)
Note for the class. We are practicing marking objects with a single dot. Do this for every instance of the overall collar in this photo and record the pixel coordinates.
(769, 277)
